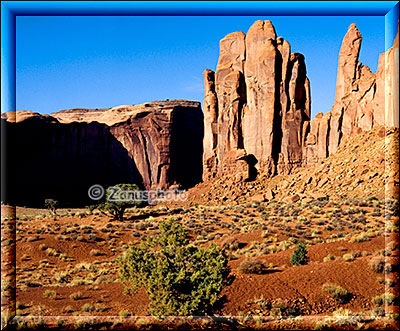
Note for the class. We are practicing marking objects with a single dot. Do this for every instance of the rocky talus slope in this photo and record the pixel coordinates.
(365, 165)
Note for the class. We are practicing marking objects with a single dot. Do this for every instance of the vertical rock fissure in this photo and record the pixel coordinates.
(277, 122)
(144, 143)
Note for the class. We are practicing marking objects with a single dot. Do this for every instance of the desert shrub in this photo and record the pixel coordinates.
(348, 257)
(301, 218)
(384, 299)
(51, 205)
(95, 252)
(100, 307)
(124, 313)
(91, 209)
(359, 238)
(179, 277)
(281, 308)
(377, 264)
(340, 294)
(252, 267)
(262, 303)
(378, 311)
(67, 309)
(87, 307)
(76, 295)
(389, 298)
(346, 318)
(388, 268)
(378, 300)
(231, 244)
(50, 294)
(329, 257)
(389, 282)
(284, 245)
(43, 247)
(62, 277)
(116, 209)
(299, 255)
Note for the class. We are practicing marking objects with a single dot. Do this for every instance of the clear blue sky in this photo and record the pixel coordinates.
(96, 62)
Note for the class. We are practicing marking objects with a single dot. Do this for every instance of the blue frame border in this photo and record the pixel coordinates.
(11, 9)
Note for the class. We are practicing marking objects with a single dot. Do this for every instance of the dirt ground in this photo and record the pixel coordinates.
(65, 267)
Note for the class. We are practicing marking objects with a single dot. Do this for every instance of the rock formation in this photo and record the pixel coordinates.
(257, 105)
(388, 81)
(363, 99)
(210, 110)
(261, 77)
(154, 145)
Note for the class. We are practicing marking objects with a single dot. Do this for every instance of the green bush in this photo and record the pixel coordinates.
(179, 277)
(116, 209)
(299, 255)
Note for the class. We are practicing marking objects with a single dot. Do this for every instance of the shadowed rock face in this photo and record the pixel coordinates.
(154, 145)
(258, 103)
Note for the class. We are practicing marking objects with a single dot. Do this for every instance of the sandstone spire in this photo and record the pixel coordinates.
(348, 59)
(262, 101)
(261, 93)
(210, 110)
(263, 98)
(230, 91)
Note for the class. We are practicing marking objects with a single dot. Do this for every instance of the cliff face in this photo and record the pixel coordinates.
(363, 99)
(257, 103)
(61, 155)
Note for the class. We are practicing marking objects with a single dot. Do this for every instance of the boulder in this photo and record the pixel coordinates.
(269, 194)
(291, 198)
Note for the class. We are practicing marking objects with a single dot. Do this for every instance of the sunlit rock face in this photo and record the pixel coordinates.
(257, 104)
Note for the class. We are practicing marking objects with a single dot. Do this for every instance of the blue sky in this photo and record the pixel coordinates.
(96, 62)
